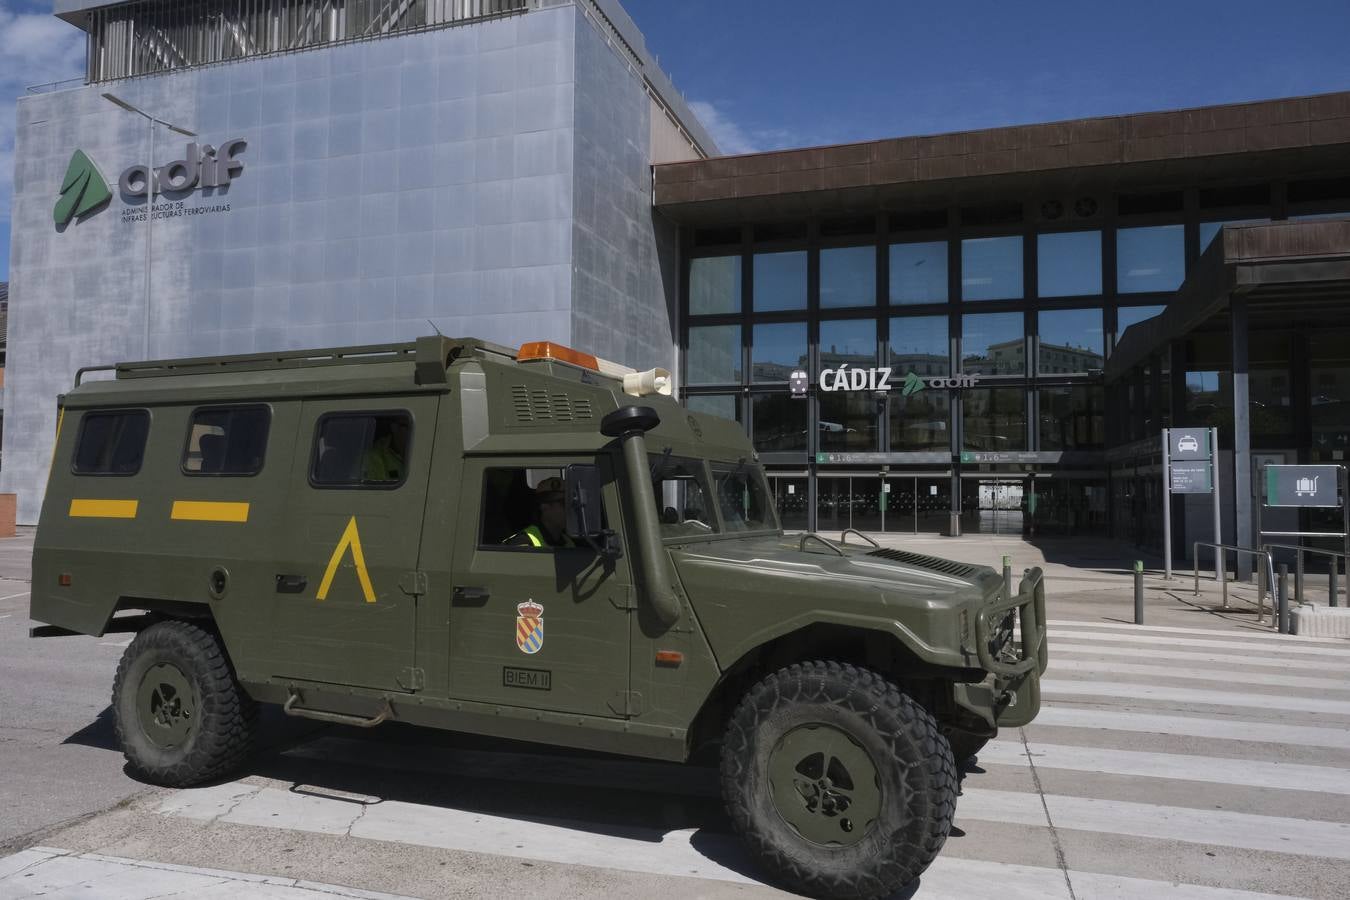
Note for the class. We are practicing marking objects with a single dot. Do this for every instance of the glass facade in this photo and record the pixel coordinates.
(1150, 259)
(996, 412)
(991, 268)
(1069, 264)
(780, 281)
(994, 419)
(848, 277)
(777, 350)
(993, 344)
(714, 285)
(1070, 341)
(918, 273)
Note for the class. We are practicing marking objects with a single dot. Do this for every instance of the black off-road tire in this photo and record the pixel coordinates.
(913, 769)
(965, 745)
(219, 732)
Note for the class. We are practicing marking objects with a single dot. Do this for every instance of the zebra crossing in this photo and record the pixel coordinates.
(1169, 762)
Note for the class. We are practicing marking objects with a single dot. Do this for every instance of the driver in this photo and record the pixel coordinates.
(551, 524)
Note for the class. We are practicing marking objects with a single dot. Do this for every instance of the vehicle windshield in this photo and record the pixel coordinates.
(685, 499)
(743, 498)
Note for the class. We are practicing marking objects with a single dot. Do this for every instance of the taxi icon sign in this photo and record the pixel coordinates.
(1188, 444)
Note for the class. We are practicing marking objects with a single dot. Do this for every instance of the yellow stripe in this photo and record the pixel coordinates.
(103, 509)
(209, 511)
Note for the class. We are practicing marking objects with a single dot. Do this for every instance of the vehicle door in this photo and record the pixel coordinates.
(343, 612)
(540, 627)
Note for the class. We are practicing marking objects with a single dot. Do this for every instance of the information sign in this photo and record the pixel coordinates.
(1302, 485)
(1191, 477)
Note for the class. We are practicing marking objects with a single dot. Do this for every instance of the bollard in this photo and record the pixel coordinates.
(1298, 577)
(1007, 575)
(1282, 588)
(1261, 577)
(1139, 592)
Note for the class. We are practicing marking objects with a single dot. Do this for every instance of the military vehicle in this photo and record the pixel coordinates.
(535, 545)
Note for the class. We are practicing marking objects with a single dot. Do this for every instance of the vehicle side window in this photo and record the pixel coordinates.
(361, 450)
(227, 441)
(523, 509)
(111, 443)
(682, 496)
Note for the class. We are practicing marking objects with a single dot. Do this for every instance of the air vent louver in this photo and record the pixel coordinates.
(936, 564)
(542, 407)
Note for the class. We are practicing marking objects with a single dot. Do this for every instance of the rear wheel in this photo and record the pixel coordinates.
(179, 712)
(841, 785)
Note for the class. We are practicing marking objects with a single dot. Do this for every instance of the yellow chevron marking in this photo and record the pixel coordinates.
(350, 538)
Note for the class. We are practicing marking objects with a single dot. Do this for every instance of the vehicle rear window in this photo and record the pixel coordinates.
(111, 443)
(227, 441)
(368, 449)
(681, 489)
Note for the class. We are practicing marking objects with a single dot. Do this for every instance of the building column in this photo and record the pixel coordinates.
(1242, 437)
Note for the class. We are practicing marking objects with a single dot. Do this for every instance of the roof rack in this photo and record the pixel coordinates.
(429, 353)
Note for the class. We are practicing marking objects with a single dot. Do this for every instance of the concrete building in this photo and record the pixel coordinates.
(338, 174)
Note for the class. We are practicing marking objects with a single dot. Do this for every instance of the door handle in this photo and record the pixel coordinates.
(469, 596)
(291, 584)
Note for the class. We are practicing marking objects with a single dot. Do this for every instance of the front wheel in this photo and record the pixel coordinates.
(840, 784)
(179, 712)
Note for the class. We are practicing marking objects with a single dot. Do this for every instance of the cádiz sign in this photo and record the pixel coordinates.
(879, 379)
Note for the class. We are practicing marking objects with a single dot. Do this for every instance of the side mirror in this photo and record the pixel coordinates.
(585, 509)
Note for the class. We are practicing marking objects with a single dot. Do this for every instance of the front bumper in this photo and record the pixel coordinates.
(1011, 695)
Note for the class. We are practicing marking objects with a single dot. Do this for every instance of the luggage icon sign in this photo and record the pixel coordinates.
(1306, 487)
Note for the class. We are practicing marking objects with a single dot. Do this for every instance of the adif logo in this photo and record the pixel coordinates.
(911, 385)
(202, 166)
(83, 190)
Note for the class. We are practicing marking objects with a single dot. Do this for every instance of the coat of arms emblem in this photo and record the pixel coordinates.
(529, 626)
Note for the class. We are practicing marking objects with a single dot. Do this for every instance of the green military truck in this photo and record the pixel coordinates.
(536, 545)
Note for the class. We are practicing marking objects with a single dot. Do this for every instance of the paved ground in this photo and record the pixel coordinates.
(1197, 756)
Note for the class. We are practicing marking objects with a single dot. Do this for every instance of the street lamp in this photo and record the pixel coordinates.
(151, 184)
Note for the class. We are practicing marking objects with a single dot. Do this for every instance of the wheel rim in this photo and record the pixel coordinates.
(825, 785)
(167, 706)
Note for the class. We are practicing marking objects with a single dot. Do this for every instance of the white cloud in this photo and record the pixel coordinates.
(734, 139)
(35, 48)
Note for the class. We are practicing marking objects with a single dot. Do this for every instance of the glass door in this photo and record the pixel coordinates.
(790, 493)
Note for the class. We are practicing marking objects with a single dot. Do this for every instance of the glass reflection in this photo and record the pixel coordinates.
(1070, 341)
(992, 344)
(851, 341)
(780, 423)
(1133, 315)
(921, 422)
(727, 406)
(994, 419)
(991, 268)
(777, 350)
(1150, 259)
(780, 281)
(919, 344)
(714, 285)
(848, 421)
(714, 355)
(1071, 418)
(848, 277)
(919, 273)
(1069, 264)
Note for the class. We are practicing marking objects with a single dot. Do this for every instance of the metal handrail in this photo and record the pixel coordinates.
(843, 537)
(1299, 550)
(1221, 569)
(812, 536)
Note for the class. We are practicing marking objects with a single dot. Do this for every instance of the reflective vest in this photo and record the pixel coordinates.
(536, 537)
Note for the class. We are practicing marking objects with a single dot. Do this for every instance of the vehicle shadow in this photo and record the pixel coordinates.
(588, 792)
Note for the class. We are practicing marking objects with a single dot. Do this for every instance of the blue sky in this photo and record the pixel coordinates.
(764, 75)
